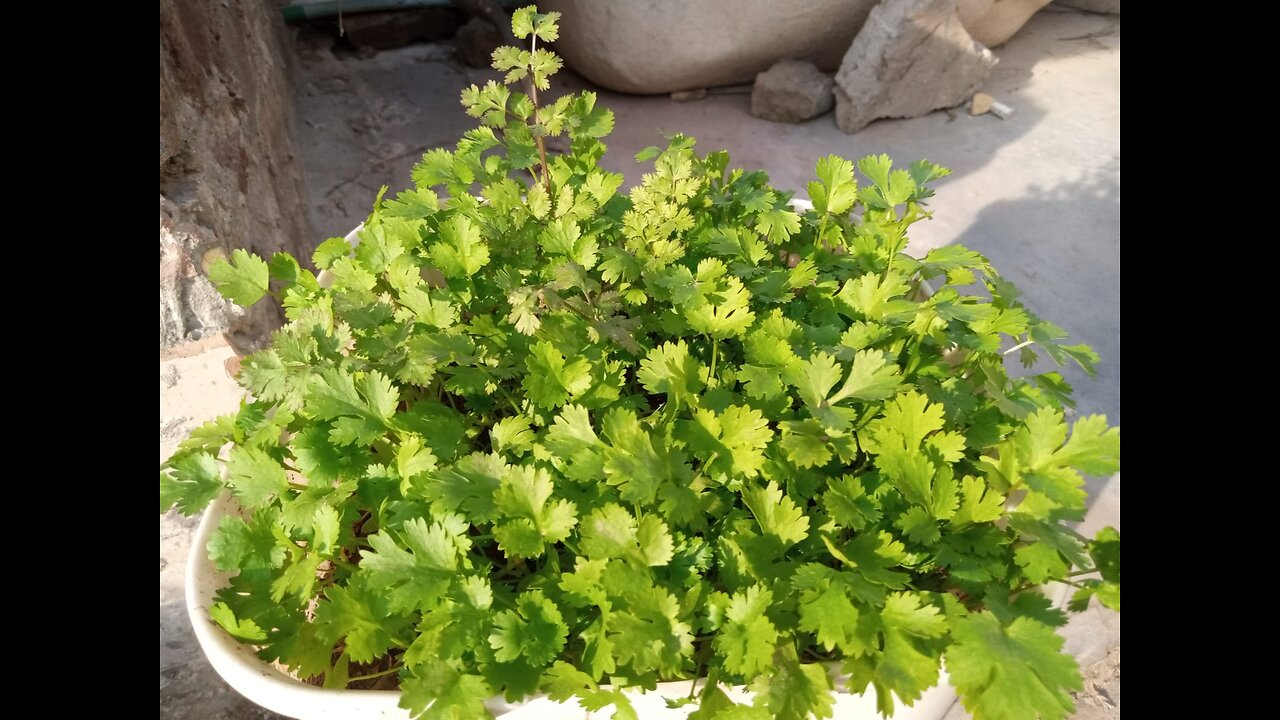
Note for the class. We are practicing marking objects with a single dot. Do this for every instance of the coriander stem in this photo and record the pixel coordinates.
(533, 96)
(1019, 346)
(715, 355)
(510, 400)
(371, 676)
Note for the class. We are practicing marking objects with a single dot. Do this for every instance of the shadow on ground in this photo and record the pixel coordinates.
(1013, 234)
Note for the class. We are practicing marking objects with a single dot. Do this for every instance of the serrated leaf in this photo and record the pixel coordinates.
(416, 574)
(534, 632)
(552, 380)
(243, 630)
(669, 368)
(1011, 672)
(243, 279)
(746, 640)
(460, 251)
(839, 189)
(439, 691)
(192, 483)
(777, 514)
(731, 442)
(254, 476)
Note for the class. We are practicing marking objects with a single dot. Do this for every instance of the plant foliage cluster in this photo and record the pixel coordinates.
(535, 435)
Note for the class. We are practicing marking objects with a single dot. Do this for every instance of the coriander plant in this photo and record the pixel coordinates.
(536, 436)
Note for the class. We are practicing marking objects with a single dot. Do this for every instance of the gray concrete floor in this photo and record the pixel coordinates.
(1039, 194)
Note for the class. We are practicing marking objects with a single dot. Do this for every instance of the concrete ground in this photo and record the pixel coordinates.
(1038, 193)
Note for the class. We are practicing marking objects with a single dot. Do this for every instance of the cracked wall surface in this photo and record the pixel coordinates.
(228, 167)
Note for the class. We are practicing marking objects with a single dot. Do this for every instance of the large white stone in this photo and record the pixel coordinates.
(1111, 7)
(992, 22)
(910, 58)
(661, 46)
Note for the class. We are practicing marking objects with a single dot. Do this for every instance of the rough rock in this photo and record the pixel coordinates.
(190, 306)
(476, 40)
(1110, 7)
(389, 30)
(228, 175)
(661, 46)
(981, 104)
(992, 22)
(910, 58)
(791, 91)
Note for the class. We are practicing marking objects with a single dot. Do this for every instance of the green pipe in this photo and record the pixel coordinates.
(298, 13)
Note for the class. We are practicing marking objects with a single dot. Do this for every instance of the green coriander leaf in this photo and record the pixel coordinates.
(245, 630)
(512, 435)
(417, 579)
(670, 369)
(778, 225)
(1105, 551)
(827, 611)
(814, 378)
(534, 632)
(243, 280)
(848, 503)
(746, 640)
(254, 475)
(907, 666)
(1040, 562)
(330, 251)
(524, 496)
(871, 297)
(634, 463)
(872, 377)
(805, 443)
(608, 532)
(777, 514)
(360, 616)
(839, 189)
(240, 545)
(1011, 672)
(439, 691)
(795, 691)
(460, 251)
(192, 483)
(731, 442)
(552, 381)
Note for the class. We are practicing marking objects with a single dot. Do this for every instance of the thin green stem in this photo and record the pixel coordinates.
(533, 96)
(1019, 346)
(379, 674)
(715, 356)
(693, 687)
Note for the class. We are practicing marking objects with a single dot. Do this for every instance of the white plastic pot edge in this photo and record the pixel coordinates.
(267, 686)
